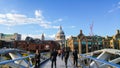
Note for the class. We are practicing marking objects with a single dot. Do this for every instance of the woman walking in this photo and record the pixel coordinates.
(37, 59)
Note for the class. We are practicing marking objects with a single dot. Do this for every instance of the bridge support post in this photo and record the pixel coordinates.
(15, 56)
(104, 55)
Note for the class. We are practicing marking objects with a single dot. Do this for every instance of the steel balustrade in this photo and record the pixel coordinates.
(20, 58)
(100, 60)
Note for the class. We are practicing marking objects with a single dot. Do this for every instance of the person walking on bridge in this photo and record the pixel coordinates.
(53, 57)
(37, 59)
(66, 57)
(62, 54)
(75, 57)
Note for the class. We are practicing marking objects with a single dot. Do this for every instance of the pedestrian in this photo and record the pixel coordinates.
(53, 57)
(66, 57)
(75, 57)
(37, 59)
(63, 54)
(59, 53)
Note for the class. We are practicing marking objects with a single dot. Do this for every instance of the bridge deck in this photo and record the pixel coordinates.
(59, 64)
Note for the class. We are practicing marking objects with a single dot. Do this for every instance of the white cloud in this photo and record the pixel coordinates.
(2, 16)
(118, 7)
(110, 11)
(56, 27)
(12, 19)
(115, 8)
(14, 11)
(38, 13)
(73, 26)
(8, 28)
(24, 36)
(68, 36)
(119, 3)
(47, 37)
(58, 20)
(30, 35)
(50, 37)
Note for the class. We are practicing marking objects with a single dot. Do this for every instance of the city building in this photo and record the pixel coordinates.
(6, 44)
(10, 37)
(112, 41)
(85, 43)
(91, 43)
(60, 37)
(42, 37)
(31, 44)
(72, 42)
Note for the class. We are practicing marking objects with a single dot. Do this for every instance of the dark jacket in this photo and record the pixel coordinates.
(53, 55)
(66, 54)
(37, 57)
(75, 54)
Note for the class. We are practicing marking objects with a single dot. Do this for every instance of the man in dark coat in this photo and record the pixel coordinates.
(53, 58)
(75, 57)
(63, 54)
(66, 57)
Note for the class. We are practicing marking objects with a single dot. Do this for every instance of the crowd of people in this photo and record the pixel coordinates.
(63, 53)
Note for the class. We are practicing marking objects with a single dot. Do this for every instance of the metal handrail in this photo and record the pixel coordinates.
(100, 60)
(4, 50)
(20, 58)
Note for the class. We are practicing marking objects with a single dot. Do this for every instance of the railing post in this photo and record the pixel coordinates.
(28, 64)
(19, 63)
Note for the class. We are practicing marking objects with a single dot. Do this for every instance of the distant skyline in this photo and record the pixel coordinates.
(34, 17)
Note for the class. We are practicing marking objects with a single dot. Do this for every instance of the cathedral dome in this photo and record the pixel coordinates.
(60, 37)
(60, 34)
(60, 31)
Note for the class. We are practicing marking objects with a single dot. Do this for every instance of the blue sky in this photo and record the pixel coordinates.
(34, 17)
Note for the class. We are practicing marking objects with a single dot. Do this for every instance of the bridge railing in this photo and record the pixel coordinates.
(7, 50)
(43, 59)
(20, 58)
(95, 60)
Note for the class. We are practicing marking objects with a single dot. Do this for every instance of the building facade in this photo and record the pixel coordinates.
(31, 44)
(72, 42)
(112, 41)
(85, 43)
(45, 45)
(91, 43)
(10, 37)
(42, 37)
(60, 37)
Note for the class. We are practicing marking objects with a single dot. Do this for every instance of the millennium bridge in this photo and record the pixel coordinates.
(105, 58)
